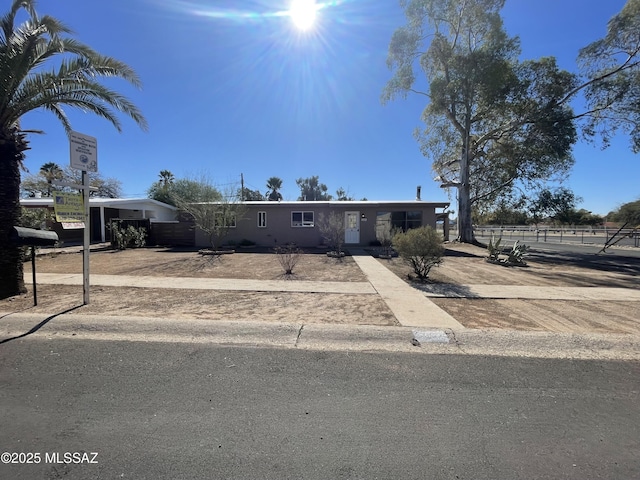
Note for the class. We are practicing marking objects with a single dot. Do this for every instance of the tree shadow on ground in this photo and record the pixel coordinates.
(455, 253)
(613, 263)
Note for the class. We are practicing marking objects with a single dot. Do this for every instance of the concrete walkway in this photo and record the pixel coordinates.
(411, 306)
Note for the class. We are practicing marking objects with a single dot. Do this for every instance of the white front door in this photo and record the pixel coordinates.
(352, 227)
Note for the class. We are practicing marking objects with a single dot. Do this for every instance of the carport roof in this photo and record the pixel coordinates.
(101, 202)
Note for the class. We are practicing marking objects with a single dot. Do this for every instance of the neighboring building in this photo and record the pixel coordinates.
(103, 210)
(268, 223)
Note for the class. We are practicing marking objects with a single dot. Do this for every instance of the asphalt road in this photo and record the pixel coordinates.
(163, 410)
(616, 252)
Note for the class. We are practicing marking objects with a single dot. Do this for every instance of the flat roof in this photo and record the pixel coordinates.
(338, 203)
(98, 202)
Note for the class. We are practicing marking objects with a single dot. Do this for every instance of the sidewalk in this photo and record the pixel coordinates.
(525, 292)
(411, 306)
(225, 284)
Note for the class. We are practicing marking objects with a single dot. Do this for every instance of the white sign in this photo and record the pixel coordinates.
(83, 152)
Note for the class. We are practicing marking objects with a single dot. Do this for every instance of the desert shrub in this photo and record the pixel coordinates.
(34, 218)
(332, 229)
(421, 248)
(517, 254)
(384, 237)
(514, 257)
(127, 237)
(494, 249)
(288, 257)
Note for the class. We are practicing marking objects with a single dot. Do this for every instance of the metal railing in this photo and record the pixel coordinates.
(580, 235)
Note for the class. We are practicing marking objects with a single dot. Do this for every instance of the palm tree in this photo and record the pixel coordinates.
(273, 185)
(25, 85)
(166, 177)
(51, 171)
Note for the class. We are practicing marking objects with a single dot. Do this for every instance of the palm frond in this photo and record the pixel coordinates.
(24, 86)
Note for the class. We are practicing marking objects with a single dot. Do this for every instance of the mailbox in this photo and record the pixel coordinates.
(30, 237)
(33, 238)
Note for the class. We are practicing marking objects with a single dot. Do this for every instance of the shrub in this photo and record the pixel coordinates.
(494, 249)
(332, 229)
(517, 254)
(384, 237)
(288, 257)
(421, 248)
(514, 257)
(129, 237)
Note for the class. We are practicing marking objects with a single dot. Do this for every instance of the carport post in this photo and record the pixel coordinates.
(33, 274)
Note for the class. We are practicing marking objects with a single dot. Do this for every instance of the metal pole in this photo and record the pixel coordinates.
(87, 238)
(33, 274)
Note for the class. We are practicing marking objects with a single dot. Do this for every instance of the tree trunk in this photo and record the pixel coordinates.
(465, 225)
(465, 234)
(11, 271)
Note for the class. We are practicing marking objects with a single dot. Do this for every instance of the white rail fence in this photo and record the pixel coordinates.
(582, 235)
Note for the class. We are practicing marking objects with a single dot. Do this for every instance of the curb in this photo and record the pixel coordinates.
(17, 327)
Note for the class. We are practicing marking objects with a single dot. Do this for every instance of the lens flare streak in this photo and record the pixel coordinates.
(243, 15)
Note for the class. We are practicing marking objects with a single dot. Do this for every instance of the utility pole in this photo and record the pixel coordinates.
(241, 187)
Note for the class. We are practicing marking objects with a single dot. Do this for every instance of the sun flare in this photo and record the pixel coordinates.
(303, 13)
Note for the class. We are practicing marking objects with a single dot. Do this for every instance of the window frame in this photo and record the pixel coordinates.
(404, 219)
(303, 223)
(262, 219)
(218, 224)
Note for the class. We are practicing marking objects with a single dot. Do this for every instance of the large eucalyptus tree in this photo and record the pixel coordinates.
(490, 119)
(26, 84)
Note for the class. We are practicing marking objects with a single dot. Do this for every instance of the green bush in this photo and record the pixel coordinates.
(129, 237)
(421, 248)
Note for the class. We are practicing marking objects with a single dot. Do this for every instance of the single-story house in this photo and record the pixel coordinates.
(104, 209)
(269, 223)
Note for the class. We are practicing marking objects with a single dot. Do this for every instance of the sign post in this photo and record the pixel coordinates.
(84, 156)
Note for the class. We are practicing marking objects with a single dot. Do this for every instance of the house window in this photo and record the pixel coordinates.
(225, 220)
(302, 219)
(414, 220)
(262, 219)
(402, 220)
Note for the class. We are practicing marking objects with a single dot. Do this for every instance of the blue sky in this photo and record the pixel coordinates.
(233, 87)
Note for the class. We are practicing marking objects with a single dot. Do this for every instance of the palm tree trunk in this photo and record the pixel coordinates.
(11, 271)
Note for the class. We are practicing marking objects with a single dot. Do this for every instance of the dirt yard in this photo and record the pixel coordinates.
(463, 264)
(217, 305)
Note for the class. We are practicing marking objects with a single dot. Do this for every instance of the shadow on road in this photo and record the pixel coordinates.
(40, 325)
